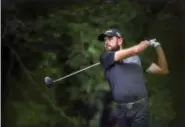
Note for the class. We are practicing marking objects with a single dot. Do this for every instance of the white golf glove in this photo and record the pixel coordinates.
(154, 43)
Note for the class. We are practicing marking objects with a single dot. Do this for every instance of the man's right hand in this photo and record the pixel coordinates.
(145, 42)
(142, 45)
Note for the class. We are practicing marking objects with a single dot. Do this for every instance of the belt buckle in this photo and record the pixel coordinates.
(129, 106)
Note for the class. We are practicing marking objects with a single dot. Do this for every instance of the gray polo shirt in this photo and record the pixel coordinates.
(124, 77)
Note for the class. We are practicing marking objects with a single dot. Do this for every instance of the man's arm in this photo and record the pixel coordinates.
(107, 59)
(124, 53)
(161, 67)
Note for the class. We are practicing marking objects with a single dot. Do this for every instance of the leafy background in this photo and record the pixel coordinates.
(55, 38)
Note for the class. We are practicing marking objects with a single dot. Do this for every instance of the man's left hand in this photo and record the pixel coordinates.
(154, 43)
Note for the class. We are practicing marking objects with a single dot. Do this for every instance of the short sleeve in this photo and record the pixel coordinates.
(107, 59)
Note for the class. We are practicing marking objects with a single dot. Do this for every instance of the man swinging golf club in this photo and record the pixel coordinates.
(123, 70)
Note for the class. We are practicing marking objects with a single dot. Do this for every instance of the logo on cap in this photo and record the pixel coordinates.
(109, 31)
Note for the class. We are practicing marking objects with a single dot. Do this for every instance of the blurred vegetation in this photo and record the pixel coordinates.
(55, 38)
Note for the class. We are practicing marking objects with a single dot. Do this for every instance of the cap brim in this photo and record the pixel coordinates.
(103, 35)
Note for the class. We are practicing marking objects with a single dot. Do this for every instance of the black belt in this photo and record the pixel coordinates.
(130, 105)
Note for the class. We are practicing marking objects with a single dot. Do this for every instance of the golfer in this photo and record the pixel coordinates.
(123, 71)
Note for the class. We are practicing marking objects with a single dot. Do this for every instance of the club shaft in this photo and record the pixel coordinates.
(76, 72)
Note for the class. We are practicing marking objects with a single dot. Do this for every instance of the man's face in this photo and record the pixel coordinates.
(112, 43)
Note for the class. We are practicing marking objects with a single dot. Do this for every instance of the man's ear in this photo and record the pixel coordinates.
(120, 41)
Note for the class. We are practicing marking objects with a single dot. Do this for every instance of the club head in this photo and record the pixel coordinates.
(48, 82)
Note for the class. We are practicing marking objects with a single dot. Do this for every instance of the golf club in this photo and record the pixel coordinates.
(49, 81)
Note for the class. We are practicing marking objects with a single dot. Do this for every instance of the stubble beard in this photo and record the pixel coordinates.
(115, 48)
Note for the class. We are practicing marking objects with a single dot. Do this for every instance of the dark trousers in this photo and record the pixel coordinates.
(134, 114)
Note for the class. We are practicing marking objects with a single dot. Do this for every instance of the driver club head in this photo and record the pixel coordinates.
(48, 82)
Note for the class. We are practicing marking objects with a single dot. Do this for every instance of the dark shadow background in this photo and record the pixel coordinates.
(21, 54)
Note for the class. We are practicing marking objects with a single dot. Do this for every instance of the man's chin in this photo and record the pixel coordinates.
(106, 48)
(116, 48)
